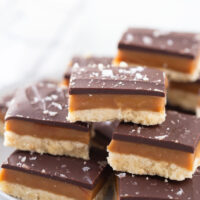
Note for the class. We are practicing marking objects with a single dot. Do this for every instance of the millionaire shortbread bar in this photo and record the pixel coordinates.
(34, 176)
(131, 187)
(36, 121)
(177, 53)
(170, 150)
(184, 95)
(102, 93)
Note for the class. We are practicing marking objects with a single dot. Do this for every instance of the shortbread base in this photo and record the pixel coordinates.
(54, 147)
(145, 166)
(182, 77)
(172, 74)
(198, 111)
(27, 193)
(1, 127)
(183, 99)
(99, 115)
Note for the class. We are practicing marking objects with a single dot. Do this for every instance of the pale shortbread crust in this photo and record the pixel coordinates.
(55, 147)
(172, 74)
(1, 127)
(106, 114)
(198, 112)
(183, 99)
(27, 193)
(144, 166)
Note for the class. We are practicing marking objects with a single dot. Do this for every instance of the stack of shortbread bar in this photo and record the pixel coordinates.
(62, 130)
(54, 159)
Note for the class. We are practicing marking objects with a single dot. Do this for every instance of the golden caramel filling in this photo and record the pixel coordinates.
(185, 86)
(49, 185)
(2, 116)
(134, 102)
(22, 127)
(65, 82)
(180, 158)
(159, 60)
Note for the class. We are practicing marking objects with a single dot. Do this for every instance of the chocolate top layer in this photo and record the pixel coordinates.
(105, 128)
(44, 102)
(149, 188)
(87, 60)
(173, 43)
(5, 102)
(62, 168)
(179, 131)
(100, 79)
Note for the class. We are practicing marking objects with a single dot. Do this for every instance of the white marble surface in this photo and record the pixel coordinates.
(37, 37)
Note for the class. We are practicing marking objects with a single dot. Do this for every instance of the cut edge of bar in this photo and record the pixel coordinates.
(54, 147)
(140, 165)
(185, 100)
(128, 115)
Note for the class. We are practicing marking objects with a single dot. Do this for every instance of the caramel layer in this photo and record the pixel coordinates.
(134, 102)
(184, 86)
(50, 185)
(176, 63)
(180, 158)
(65, 82)
(23, 127)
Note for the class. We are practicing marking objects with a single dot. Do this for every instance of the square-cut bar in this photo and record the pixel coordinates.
(177, 53)
(184, 94)
(102, 132)
(4, 104)
(33, 176)
(130, 187)
(102, 93)
(36, 121)
(170, 150)
(84, 61)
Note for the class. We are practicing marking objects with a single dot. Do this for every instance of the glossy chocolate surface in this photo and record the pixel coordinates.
(100, 79)
(165, 42)
(5, 102)
(179, 131)
(62, 168)
(133, 187)
(44, 102)
(87, 60)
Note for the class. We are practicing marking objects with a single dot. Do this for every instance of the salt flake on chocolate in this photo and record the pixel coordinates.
(23, 159)
(129, 37)
(57, 105)
(161, 137)
(86, 169)
(170, 42)
(121, 175)
(107, 73)
(180, 192)
(147, 40)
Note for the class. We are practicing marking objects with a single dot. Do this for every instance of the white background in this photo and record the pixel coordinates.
(38, 37)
